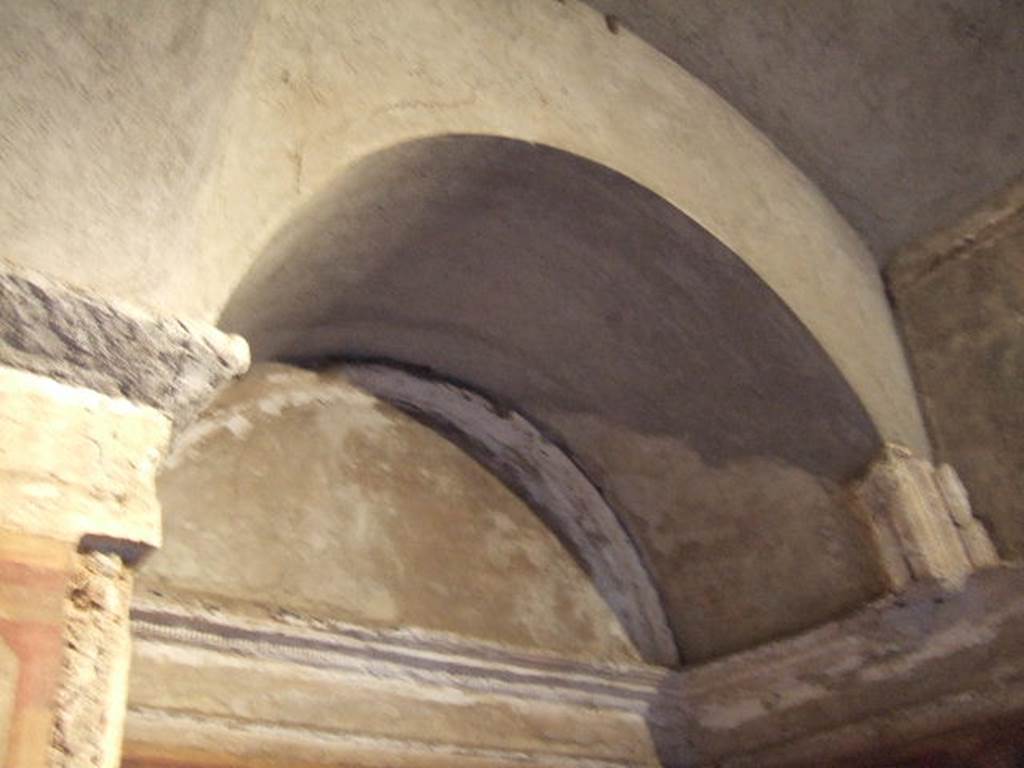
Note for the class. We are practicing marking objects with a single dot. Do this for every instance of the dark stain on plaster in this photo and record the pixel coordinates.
(497, 262)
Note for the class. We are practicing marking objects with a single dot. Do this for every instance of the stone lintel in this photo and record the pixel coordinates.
(919, 519)
(112, 347)
(75, 463)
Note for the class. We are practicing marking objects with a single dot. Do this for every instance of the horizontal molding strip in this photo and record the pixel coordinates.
(409, 657)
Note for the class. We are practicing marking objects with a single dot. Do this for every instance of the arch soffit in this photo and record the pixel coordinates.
(650, 121)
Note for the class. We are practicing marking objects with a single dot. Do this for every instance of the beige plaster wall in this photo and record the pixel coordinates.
(744, 552)
(960, 297)
(152, 150)
(298, 494)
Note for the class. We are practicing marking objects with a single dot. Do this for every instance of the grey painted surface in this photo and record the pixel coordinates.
(906, 114)
(557, 285)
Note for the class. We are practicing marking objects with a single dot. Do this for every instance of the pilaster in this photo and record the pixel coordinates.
(90, 394)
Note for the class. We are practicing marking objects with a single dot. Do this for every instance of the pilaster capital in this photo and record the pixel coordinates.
(920, 521)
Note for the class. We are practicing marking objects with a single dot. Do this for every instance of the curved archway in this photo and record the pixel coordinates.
(709, 416)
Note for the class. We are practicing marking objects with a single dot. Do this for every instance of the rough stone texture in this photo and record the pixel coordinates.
(90, 703)
(960, 299)
(297, 493)
(926, 663)
(110, 347)
(920, 521)
(117, 178)
(212, 687)
(74, 462)
(906, 114)
(973, 534)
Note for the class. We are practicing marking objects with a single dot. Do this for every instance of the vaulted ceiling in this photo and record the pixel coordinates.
(906, 114)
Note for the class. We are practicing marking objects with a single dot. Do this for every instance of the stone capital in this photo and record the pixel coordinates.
(919, 519)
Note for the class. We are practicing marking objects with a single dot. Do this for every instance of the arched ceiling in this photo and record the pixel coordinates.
(907, 114)
(151, 150)
(712, 420)
(556, 284)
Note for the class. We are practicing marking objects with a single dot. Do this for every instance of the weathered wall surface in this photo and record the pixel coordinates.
(743, 552)
(167, 195)
(960, 297)
(215, 689)
(300, 494)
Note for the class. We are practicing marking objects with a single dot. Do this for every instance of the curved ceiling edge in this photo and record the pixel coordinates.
(556, 489)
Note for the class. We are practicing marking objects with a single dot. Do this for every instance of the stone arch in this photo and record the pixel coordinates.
(674, 376)
(518, 454)
(309, 499)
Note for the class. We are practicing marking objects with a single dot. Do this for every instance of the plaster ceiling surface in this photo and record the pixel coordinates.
(690, 395)
(906, 114)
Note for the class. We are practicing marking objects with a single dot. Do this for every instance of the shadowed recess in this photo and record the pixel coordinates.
(688, 392)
